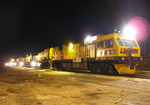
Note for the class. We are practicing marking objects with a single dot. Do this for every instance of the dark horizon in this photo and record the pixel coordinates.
(31, 26)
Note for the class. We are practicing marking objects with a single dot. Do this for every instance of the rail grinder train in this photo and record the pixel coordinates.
(104, 54)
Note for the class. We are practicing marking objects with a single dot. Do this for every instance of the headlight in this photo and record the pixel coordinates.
(122, 58)
(38, 64)
(11, 64)
(21, 64)
(6, 64)
(15, 64)
(33, 63)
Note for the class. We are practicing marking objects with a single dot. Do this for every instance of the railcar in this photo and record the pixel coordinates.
(41, 60)
(106, 54)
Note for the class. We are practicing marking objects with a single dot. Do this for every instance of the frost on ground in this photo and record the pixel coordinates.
(33, 87)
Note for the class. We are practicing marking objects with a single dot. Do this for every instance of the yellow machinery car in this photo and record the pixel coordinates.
(106, 54)
(115, 54)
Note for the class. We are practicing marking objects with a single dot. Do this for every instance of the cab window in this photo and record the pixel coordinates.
(126, 43)
(100, 44)
(109, 43)
(134, 43)
(119, 42)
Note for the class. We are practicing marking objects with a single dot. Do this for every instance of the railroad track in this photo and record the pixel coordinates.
(143, 73)
(140, 73)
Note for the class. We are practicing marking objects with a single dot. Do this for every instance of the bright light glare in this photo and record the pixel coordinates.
(12, 60)
(33, 63)
(71, 46)
(129, 32)
(88, 39)
(21, 64)
(15, 64)
(38, 64)
(6, 64)
(12, 64)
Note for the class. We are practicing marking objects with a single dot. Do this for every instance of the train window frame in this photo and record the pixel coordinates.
(100, 45)
(109, 43)
(134, 43)
(127, 43)
(120, 42)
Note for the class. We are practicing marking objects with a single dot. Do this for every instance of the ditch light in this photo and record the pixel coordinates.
(35, 64)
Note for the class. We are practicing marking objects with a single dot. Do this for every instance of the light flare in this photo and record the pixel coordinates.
(21, 64)
(33, 63)
(142, 26)
(129, 32)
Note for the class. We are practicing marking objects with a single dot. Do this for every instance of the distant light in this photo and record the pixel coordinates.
(93, 38)
(38, 64)
(33, 63)
(15, 64)
(21, 64)
(129, 32)
(11, 64)
(70, 46)
(90, 39)
(12, 60)
(119, 31)
(6, 64)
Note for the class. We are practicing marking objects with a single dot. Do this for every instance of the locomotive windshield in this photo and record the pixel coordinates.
(126, 43)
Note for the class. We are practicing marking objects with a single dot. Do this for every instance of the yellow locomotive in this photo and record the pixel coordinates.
(106, 54)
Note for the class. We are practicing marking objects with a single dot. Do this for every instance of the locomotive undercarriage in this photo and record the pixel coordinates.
(117, 66)
(102, 67)
(96, 67)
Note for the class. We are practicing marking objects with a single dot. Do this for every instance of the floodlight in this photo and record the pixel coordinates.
(129, 32)
(70, 46)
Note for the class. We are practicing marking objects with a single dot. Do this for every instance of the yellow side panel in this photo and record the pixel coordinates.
(124, 69)
(70, 53)
(51, 53)
(57, 53)
(82, 51)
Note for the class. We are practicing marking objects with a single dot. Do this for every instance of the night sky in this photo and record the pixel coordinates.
(31, 26)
